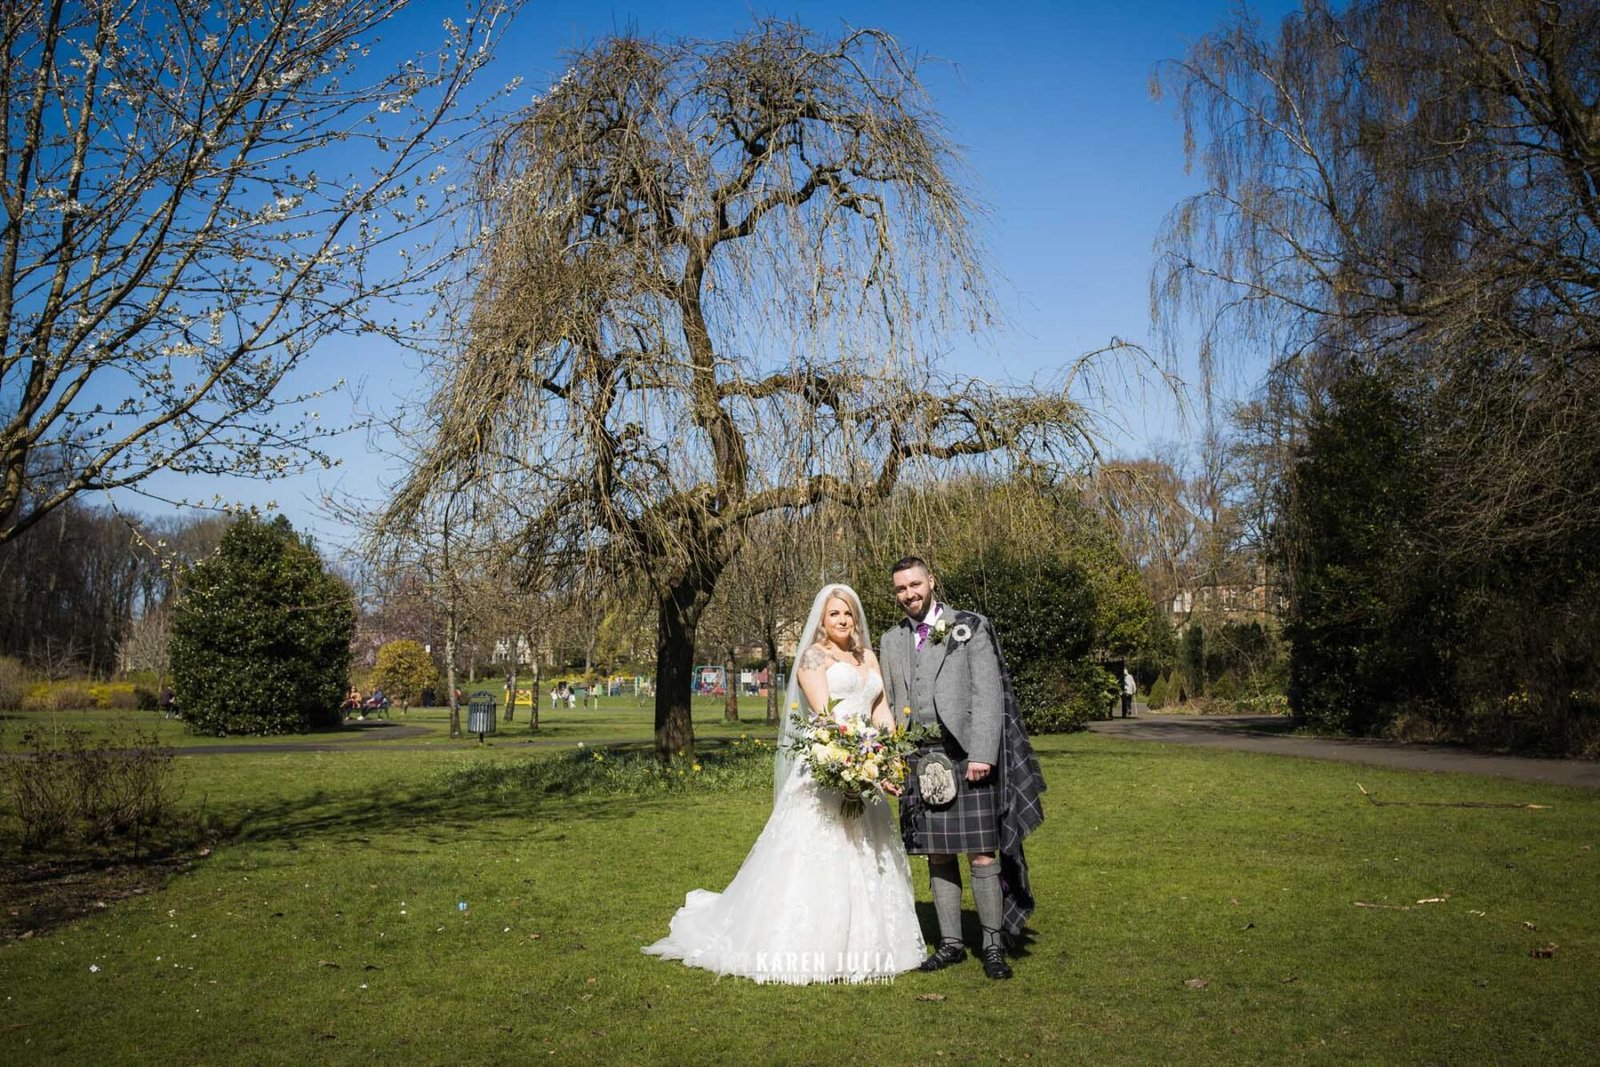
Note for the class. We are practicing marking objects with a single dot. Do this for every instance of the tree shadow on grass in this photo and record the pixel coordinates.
(442, 810)
(432, 816)
(41, 891)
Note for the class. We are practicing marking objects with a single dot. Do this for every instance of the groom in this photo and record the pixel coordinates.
(943, 670)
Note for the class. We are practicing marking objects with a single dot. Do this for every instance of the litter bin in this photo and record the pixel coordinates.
(480, 714)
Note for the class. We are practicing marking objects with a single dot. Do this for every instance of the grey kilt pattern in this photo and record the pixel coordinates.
(968, 824)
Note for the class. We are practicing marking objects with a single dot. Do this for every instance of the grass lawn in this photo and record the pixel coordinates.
(614, 719)
(1196, 905)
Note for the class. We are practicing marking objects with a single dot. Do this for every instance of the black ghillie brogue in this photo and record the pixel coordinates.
(947, 954)
(994, 962)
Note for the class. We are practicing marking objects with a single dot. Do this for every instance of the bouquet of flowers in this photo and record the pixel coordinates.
(852, 755)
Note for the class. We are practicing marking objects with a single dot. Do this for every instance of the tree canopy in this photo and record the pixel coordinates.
(715, 277)
(261, 635)
(405, 669)
(1403, 198)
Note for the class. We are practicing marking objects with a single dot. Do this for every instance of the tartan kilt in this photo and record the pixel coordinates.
(968, 824)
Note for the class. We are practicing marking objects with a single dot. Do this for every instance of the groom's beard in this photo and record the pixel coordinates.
(927, 609)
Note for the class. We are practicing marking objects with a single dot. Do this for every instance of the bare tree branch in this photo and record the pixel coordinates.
(178, 238)
(714, 279)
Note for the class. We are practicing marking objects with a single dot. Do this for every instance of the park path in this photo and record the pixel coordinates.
(1266, 733)
(381, 731)
(365, 731)
(1246, 733)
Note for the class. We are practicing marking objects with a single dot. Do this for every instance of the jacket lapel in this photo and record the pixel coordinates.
(905, 664)
(901, 651)
(951, 616)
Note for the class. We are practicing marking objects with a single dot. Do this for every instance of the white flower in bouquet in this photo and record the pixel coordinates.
(849, 755)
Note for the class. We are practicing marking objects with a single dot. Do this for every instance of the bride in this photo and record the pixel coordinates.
(820, 897)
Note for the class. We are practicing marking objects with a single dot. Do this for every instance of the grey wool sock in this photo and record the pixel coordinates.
(986, 894)
(945, 878)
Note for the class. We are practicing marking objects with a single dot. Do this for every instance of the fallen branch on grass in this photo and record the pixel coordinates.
(1371, 798)
(1403, 907)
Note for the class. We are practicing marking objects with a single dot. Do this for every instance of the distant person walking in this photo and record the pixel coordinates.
(1129, 688)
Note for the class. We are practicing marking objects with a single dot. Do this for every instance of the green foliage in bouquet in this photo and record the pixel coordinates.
(850, 756)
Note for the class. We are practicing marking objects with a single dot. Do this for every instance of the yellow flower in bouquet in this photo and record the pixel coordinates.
(849, 754)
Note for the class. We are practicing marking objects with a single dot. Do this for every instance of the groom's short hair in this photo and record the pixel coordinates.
(907, 562)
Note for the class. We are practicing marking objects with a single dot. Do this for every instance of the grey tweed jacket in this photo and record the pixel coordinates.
(968, 693)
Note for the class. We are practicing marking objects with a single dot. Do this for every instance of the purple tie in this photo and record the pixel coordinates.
(922, 634)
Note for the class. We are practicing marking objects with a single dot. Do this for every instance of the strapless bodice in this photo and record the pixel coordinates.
(854, 690)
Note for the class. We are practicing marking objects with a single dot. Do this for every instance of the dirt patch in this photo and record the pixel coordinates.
(38, 894)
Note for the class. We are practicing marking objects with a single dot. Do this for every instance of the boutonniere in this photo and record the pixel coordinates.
(959, 632)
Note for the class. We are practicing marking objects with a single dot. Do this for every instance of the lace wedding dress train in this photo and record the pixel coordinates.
(819, 898)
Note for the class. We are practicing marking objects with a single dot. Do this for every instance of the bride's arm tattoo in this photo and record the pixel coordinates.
(812, 658)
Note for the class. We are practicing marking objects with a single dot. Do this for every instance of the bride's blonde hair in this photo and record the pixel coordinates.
(848, 595)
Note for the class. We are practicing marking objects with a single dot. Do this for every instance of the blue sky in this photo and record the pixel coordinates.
(1073, 160)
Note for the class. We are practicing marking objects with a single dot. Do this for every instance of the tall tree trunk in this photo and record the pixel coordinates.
(450, 669)
(730, 709)
(533, 687)
(678, 614)
(774, 696)
(674, 673)
(511, 690)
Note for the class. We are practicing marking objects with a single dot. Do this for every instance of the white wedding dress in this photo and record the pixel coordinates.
(819, 898)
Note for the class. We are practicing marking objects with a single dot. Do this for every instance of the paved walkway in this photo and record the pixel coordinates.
(1267, 733)
(1246, 733)
(515, 734)
(372, 730)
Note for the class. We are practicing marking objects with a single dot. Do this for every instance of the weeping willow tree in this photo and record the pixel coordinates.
(712, 279)
(1412, 185)
(1404, 195)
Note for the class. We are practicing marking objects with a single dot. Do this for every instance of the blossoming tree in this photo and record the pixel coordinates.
(192, 197)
